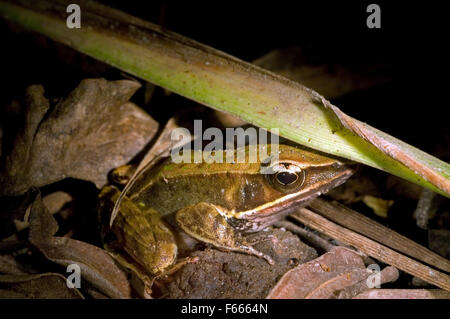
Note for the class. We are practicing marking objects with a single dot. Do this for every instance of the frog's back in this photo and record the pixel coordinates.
(169, 186)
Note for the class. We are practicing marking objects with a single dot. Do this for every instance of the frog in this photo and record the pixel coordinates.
(216, 203)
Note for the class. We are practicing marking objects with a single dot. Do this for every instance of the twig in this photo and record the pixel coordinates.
(404, 294)
(361, 224)
(312, 238)
(372, 248)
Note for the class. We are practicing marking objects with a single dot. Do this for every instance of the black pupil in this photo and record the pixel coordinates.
(286, 178)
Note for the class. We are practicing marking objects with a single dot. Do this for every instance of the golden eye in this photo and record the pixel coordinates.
(286, 178)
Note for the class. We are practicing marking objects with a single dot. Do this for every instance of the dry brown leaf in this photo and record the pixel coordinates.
(42, 286)
(162, 146)
(97, 266)
(388, 274)
(54, 203)
(84, 136)
(321, 277)
(329, 288)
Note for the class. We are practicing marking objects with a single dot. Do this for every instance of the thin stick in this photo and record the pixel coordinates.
(404, 294)
(313, 239)
(372, 248)
(361, 224)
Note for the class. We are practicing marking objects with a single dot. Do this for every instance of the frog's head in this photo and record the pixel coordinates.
(293, 179)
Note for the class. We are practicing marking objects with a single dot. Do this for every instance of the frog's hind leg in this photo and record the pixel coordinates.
(204, 222)
(145, 237)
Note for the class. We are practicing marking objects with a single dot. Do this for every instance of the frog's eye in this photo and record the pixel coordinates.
(286, 177)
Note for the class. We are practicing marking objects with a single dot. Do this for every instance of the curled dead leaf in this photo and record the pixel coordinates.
(321, 277)
(97, 266)
(84, 136)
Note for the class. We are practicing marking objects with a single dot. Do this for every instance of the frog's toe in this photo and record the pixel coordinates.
(253, 251)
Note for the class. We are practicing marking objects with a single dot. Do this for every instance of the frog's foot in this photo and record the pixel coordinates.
(141, 281)
(204, 223)
(252, 251)
(177, 266)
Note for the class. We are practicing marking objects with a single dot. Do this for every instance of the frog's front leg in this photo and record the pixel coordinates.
(204, 223)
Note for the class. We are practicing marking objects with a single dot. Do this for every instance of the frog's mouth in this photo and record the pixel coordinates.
(260, 217)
